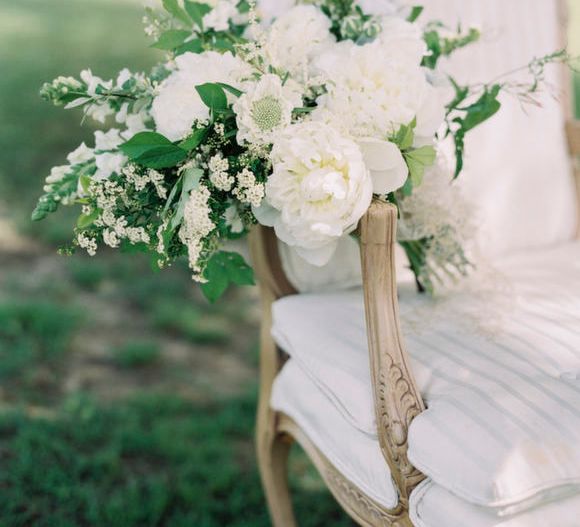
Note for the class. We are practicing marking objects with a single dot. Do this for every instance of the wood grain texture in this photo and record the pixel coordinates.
(397, 398)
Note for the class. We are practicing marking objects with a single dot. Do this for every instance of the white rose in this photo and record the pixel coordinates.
(318, 191)
(433, 110)
(108, 140)
(81, 155)
(296, 38)
(178, 105)
(265, 108)
(387, 165)
(58, 173)
(109, 163)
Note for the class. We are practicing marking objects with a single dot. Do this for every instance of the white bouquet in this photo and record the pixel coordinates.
(293, 116)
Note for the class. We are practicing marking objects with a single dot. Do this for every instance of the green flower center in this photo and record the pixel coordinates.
(267, 113)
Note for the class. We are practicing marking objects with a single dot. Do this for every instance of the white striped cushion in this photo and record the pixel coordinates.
(505, 389)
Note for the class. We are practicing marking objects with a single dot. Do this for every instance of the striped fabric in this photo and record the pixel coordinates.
(500, 374)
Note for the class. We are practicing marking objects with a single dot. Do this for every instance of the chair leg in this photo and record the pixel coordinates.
(273, 450)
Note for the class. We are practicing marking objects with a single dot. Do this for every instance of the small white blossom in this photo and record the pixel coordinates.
(88, 243)
(110, 140)
(81, 155)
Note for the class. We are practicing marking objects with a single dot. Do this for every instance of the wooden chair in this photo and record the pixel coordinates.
(396, 396)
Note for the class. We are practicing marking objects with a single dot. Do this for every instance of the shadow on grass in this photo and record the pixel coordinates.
(151, 461)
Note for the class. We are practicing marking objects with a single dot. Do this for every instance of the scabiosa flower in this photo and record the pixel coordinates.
(265, 109)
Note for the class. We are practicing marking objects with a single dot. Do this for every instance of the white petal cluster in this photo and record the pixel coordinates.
(222, 12)
(248, 190)
(196, 226)
(369, 92)
(294, 40)
(265, 109)
(319, 189)
(218, 173)
(178, 105)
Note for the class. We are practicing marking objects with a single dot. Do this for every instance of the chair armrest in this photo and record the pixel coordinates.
(397, 398)
(573, 134)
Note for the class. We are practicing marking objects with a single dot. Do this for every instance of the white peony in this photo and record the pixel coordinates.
(265, 108)
(108, 164)
(318, 191)
(178, 105)
(386, 164)
(402, 40)
(295, 38)
(370, 94)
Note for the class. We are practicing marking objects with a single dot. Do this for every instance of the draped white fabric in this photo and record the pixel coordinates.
(501, 378)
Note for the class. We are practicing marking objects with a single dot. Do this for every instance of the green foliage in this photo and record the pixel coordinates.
(192, 323)
(33, 333)
(467, 117)
(213, 96)
(174, 9)
(419, 159)
(443, 46)
(171, 39)
(223, 269)
(416, 12)
(152, 150)
(197, 11)
(136, 354)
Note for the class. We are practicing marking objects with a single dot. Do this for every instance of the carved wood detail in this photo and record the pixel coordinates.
(397, 398)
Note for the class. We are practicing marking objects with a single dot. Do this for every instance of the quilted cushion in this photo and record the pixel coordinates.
(359, 459)
(503, 424)
(432, 506)
(356, 456)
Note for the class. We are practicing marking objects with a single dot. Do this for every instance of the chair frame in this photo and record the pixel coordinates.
(396, 396)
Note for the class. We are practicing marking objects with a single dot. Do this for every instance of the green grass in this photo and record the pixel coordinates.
(153, 461)
(137, 354)
(33, 334)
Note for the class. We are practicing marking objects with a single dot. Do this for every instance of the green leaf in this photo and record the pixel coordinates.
(85, 182)
(484, 108)
(417, 161)
(415, 13)
(86, 220)
(195, 139)
(405, 136)
(231, 89)
(197, 11)
(171, 39)
(46, 205)
(222, 269)
(193, 46)
(213, 96)
(153, 150)
(173, 8)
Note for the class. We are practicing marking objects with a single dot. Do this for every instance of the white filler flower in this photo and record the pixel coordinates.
(178, 105)
(318, 191)
(264, 109)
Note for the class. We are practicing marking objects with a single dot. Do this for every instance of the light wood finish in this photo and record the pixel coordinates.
(573, 134)
(397, 399)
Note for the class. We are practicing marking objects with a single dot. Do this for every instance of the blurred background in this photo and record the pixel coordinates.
(125, 399)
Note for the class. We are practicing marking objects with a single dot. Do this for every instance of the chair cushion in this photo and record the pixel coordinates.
(355, 455)
(432, 506)
(359, 459)
(503, 390)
